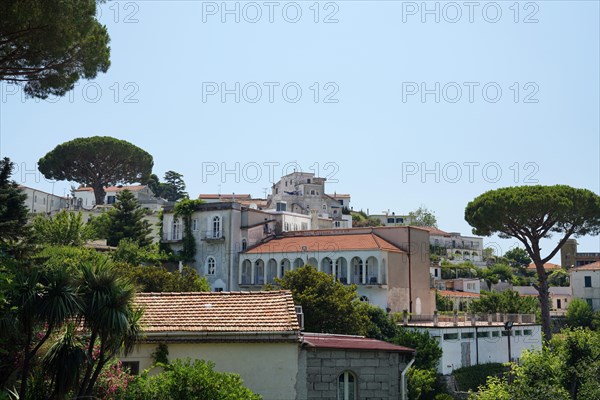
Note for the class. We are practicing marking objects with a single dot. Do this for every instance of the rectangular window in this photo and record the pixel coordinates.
(467, 335)
(133, 366)
(450, 336)
(504, 333)
(390, 220)
(435, 272)
(400, 220)
(110, 199)
(527, 332)
(588, 281)
(195, 224)
(590, 302)
(496, 334)
(518, 333)
(483, 334)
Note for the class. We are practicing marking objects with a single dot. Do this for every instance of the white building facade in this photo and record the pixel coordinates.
(585, 283)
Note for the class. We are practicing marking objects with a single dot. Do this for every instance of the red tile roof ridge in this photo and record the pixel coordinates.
(590, 267)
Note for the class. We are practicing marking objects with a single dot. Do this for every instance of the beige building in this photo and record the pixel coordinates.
(387, 271)
(258, 336)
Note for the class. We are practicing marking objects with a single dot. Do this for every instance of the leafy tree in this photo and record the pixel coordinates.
(172, 189)
(97, 161)
(422, 217)
(48, 46)
(186, 379)
(109, 316)
(124, 221)
(428, 350)
(496, 273)
(518, 257)
(443, 303)
(567, 369)
(421, 383)
(509, 302)
(533, 213)
(184, 210)
(559, 277)
(329, 306)
(381, 326)
(579, 314)
(157, 279)
(13, 212)
(579, 350)
(422, 377)
(130, 252)
(64, 229)
(361, 219)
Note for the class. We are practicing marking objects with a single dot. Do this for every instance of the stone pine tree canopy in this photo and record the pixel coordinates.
(97, 162)
(532, 213)
(47, 46)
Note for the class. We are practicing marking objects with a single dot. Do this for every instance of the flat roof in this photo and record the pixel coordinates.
(349, 342)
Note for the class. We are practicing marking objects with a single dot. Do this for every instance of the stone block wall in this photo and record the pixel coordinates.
(377, 373)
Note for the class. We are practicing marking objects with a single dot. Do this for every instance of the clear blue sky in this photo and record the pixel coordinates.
(370, 129)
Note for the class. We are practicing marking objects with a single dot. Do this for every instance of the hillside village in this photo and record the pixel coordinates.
(427, 277)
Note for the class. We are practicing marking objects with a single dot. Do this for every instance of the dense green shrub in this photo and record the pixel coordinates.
(470, 378)
(189, 380)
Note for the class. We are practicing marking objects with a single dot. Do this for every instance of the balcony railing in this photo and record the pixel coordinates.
(213, 235)
(172, 236)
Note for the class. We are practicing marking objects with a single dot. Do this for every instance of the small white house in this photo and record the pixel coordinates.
(585, 283)
(467, 343)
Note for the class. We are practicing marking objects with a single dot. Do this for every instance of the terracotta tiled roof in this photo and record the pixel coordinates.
(547, 266)
(322, 340)
(293, 244)
(434, 231)
(587, 267)
(450, 293)
(205, 312)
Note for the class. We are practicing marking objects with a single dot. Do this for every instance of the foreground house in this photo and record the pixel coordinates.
(258, 335)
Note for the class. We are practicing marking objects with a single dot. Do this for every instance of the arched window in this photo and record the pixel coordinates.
(346, 386)
(259, 272)
(244, 244)
(211, 266)
(246, 272)
(216, 227)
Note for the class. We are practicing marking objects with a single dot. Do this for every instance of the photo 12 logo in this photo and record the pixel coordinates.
(125, 12)
(253, 172)
(269, 92)
(90, 92)
(469, 171)
(252, 12)
(469, 92)
(453, 12)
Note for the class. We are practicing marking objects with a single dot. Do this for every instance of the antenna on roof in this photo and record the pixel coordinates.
(265, 192)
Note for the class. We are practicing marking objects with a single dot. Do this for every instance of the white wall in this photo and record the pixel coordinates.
(269, 369)
(582, 292)
(491, 349)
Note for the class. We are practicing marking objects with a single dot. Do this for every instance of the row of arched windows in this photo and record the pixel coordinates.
(368, 272)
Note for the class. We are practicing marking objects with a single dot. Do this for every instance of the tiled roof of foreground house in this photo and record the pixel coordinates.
(330, 341)
(224, 312)
(312, 243)
(587, 267)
